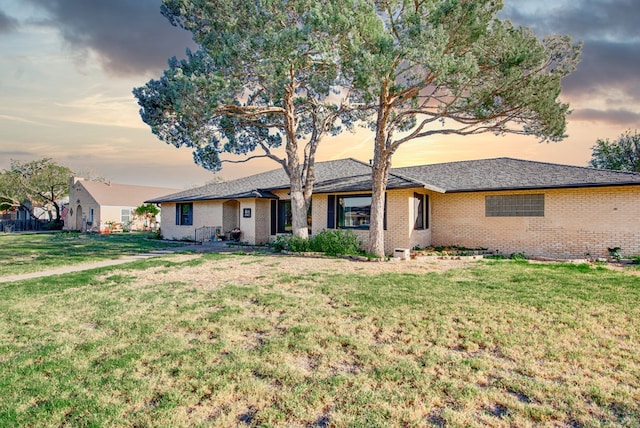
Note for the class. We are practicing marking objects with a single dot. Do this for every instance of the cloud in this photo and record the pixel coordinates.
(21, 119)
(129, 37)
(610, 58)
(583, 19)
(605, 67)
(8, 24)
(620, 117)
(100, 109)
(6, 154)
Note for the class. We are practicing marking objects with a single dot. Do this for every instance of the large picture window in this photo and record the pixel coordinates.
(420, 211)
(184, 214)
(527, 205)
(350, 212)
(354, 212)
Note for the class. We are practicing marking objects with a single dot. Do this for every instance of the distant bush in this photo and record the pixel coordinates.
(54, 225)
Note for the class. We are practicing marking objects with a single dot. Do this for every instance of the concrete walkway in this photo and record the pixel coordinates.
(213, 247)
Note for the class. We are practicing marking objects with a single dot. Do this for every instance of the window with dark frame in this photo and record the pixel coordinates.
(282, 217)
(354, 211)
(285, 217)
(350, 212)
(421, 211)
(525, 205)
(184, 214)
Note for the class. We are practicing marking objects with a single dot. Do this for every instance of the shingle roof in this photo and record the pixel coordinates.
(358, 183)
(266, 182)
(350, 175)
(123, 195)
(511, 174)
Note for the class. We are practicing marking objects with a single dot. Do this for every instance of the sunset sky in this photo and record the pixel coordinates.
(67, 68)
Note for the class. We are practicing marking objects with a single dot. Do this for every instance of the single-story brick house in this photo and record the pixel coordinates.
(94, 205)
(504, 205)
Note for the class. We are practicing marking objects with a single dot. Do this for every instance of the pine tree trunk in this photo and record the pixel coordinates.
(299, 206)
(379, 178)
(299, 211)
(376, 227)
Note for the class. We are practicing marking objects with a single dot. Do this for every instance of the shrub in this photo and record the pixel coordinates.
(291, 243)
(299, 245)
(331, 242)
(335, 242)
(53, 225)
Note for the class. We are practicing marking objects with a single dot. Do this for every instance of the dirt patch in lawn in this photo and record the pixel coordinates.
(259, 269)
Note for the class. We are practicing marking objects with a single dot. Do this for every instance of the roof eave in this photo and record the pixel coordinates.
(545, 187)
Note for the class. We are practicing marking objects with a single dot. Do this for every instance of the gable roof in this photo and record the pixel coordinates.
(261, 185)
(511, 174)
(123, 195)
(350, 175)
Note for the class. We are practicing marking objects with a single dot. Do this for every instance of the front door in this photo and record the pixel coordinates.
(79, 225)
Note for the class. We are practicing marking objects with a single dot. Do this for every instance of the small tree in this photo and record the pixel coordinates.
(452, 68)
(266, 74)
(147, 211)
(622, 154)
(41, 182)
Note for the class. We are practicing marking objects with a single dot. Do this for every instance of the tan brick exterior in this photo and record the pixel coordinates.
(400, 215)
(577, 223)
(225, 213)
(205, 213)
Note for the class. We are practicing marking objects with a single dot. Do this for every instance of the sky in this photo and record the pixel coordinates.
(67, 69)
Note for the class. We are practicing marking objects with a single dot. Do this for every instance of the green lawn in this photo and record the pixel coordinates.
(23, 253)
(499, 344)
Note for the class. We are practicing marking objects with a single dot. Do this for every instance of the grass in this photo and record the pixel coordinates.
(501, 344)
(24, 253)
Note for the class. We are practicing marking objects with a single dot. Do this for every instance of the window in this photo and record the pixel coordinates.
(528, 205)
(354, 212)
(90, 216)
(125, 215)
(351, 212)
(421, 211)
(285, 217)
(282, 218)
(184, 214)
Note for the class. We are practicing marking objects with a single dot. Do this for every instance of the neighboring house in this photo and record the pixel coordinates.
(95, 206)
(504, 205)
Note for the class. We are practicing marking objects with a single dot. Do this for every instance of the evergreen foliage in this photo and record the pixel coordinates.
(622, 154)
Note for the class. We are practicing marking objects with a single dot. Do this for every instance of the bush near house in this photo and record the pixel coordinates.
(330, 242)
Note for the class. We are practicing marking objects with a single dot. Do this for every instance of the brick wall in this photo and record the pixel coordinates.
(576, 223)
(399, 232)
(205, 213)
